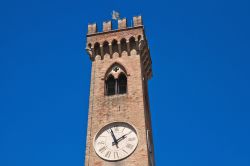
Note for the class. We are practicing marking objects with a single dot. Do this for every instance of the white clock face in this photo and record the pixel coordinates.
(115, 141)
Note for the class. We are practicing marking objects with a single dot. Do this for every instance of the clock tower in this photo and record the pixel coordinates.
(119, 125)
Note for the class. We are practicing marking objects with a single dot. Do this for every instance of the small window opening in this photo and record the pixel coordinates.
(97, 49)
(123, 45)
(139, 37)
(89, 45)
(106, 48)
(122, 84)
(115, 46)
(110, 86)
(132, 43)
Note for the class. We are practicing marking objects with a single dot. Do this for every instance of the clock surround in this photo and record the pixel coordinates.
(127, 141)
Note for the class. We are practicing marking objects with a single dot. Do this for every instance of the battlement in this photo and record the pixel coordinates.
(137, 21)
(107, 25)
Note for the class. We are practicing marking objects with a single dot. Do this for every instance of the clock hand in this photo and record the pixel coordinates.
(113, 136)
(121, 138)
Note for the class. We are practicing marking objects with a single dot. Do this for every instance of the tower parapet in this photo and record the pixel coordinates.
(122, 24)
(122, 41)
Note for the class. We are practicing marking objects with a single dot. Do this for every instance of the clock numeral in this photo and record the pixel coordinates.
(116, 155)
(102, 149)
(124, 151)
(116, 128)
(129, 146)
(108, 154)
(101, 143)
(123, 129)
(109, 131)
(131, 139)
(129, 132)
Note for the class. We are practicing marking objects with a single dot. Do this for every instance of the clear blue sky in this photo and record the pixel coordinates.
(200, 91)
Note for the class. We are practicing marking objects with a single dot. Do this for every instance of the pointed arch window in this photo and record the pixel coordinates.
(122, 84)
(110, 85)
(116, 82)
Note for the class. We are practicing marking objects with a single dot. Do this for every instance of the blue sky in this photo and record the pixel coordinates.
(199, 93)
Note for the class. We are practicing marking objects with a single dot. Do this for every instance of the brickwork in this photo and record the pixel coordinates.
(131, 107)
(122, 23)
(107, 26)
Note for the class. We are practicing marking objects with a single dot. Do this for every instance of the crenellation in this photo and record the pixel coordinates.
(92, 28)
(122, 23)
(107, 26)
(137, 20)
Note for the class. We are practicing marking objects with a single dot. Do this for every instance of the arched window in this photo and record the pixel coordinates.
(97, 50)
(116, 82)
(115, 46)
(110, 85)
(122, 84)
(106, 48)
(89, 45)
(123, 45)
(139, 37)
(132, 43)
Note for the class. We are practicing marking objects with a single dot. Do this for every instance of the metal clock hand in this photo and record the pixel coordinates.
(113, 136)
(121, 138)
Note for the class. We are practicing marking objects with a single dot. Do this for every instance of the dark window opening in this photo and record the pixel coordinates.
(106, 48)
(139, 37)
(97, 50)
(122, 84)
(116, 86)
(89, 45)
(132, 43)
(115, 46)
(110, 86)
(123, 45)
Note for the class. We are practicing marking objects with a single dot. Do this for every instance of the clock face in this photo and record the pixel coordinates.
(115, 141)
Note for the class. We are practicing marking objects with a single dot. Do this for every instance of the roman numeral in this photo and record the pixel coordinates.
(101, 143)
(109, 131)
(131, 139)
(102, 149)
(124, 151)
(107, 154)
(116, 155)
(116, 128)
(129, 146)
(129, 132)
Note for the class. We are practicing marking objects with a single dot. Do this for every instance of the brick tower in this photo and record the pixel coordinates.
(119, 126)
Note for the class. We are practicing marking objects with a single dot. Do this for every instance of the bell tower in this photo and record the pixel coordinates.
(119, 125)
